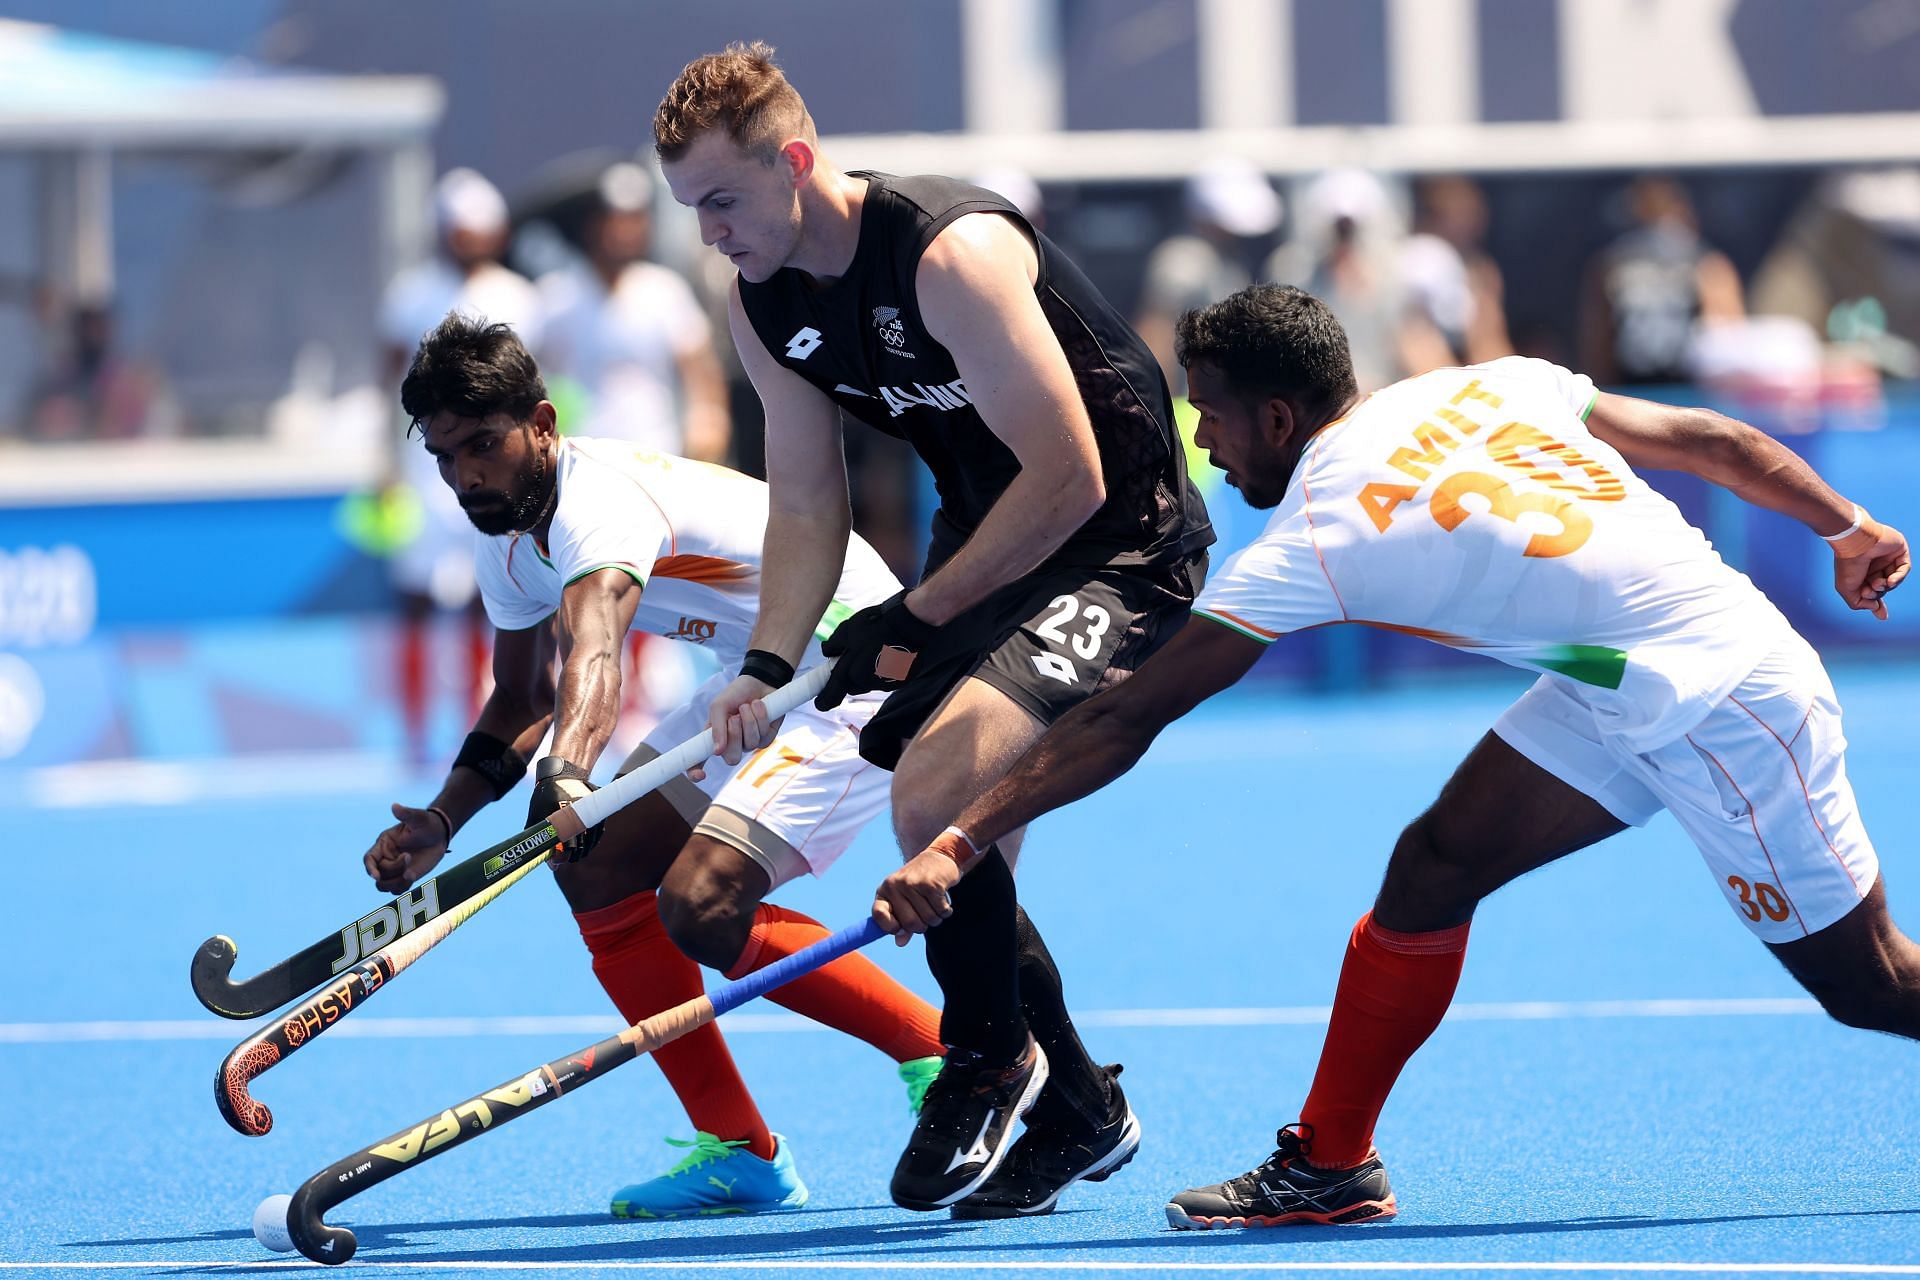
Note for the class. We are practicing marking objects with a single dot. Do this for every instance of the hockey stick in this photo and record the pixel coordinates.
(334, 954)
(255, 1055)
(431, 1137)
(264, 1050)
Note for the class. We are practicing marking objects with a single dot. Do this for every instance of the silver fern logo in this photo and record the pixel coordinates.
(887, 321)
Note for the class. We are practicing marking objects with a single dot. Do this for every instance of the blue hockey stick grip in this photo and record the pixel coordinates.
(786, 969)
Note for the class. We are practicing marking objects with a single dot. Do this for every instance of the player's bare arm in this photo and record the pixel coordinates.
(517, 713)
(975, 286)
(595, 612)
(1871, 558)
(809, 518)
(1086, 749)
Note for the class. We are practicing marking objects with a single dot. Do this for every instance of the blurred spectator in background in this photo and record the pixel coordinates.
(1648, 290)
(94, 392)
(630, 339)
(1848, 264)
(632, 336)
(1346, 251)
(1454, 297)
(434, 568)
(1230, 207)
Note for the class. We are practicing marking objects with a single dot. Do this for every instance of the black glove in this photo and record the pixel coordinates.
(876, 648)
(557, 783)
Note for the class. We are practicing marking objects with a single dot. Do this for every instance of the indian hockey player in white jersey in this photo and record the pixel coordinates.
(578, 542)
(1495, 508)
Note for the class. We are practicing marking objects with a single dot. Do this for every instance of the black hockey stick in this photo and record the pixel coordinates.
(269, 1046)
(334, 954)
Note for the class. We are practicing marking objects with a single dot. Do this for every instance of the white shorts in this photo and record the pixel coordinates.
(794, 805)
(1760, 785)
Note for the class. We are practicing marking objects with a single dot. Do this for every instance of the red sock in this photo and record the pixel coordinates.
(852, 994)
(413, 685)
(1394, 989)
(645, 973)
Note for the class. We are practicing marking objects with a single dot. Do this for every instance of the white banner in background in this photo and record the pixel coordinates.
(48, 596)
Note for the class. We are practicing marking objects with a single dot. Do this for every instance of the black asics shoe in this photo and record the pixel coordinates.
(1287, 1189)
(1050, 1157)
(965, 1127)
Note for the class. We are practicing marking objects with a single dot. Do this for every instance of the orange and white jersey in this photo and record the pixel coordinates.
(689, 532)
(1474, 508)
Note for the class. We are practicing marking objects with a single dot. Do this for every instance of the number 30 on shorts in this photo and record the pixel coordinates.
(1759, 897)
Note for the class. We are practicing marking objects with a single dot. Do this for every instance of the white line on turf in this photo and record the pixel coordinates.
(603, 1025)
(109, 783)
(1051, 1265)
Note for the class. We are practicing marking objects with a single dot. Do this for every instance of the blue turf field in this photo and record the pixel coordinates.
(1563, 1120)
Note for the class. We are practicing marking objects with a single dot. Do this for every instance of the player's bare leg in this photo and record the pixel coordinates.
(708, 899)
(713, 903)
(640, 842)
(711, 909)
(1498, 817)
(1862, 969)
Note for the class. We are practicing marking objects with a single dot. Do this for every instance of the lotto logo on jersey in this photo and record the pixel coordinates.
(804, 343)
(887, 321)
(694, 630)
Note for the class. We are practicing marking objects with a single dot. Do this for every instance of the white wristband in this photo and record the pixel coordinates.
(1859, 518)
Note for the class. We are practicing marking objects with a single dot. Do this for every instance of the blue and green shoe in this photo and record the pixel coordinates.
(716, 1178)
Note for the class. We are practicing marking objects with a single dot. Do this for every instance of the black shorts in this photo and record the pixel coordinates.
(1049, 641)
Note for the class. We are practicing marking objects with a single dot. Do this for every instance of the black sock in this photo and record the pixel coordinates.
(973, 956)
(1076, 1095)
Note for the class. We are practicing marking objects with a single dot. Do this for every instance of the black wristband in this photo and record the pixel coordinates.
(769, 669)
(557, 767)
(492, 759)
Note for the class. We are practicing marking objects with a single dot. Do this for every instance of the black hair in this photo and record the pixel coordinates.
(471, 369)
(1272, 341)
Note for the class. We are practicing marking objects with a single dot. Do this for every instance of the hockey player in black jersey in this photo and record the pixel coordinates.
(1067, 547)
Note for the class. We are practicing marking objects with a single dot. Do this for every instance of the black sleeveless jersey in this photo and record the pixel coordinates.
(860, 339)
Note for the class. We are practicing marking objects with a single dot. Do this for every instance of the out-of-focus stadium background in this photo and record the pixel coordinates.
(221, 224)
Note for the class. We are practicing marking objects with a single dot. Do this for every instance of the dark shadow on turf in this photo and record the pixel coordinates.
(935, 1237)
(1392, 1232)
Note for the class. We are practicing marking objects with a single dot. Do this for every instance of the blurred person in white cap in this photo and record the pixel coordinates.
(434, 569)
(1345, 251)
(631, 334)
(1229, 206)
